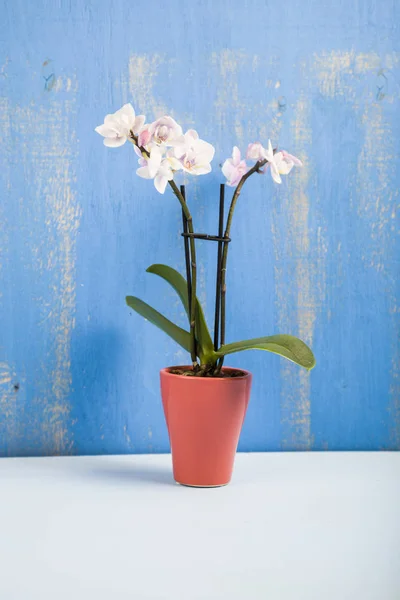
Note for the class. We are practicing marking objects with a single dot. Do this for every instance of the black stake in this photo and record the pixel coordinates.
(187, 253)
(206, 236)
(219, 261)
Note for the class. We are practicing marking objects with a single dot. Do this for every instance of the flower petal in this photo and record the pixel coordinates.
(274, 172)
(203, 151)
(160, 183)
(269, 154)
(105, 131)
(227, 168)
(114, 142)
(154, 161)
(179, 149)
(143, 172)
(200, 169)
(296, 161)
(137, 151)
(138, 124)
(236, 155)
(284, 167)
(255, 151)
(144, 137)
(127, 110)
(111, 121)
(192, 133)
(174, 163)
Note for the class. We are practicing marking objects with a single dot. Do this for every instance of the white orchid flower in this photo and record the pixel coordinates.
(271, 157)
(282, 164)
(117, 127)
(158, 167)
(164, 132)
(184, 142)
(195, 155)
(149, 166)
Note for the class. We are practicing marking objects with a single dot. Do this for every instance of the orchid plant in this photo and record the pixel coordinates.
(163, 151)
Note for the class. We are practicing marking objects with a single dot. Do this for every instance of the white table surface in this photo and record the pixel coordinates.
(290, 526)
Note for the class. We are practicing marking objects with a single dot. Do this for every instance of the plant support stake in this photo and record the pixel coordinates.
(187, 253)
(219, 260)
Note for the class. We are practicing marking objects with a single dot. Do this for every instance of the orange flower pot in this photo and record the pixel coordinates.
(204, 418)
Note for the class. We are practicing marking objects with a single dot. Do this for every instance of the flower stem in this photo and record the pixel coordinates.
(224, 261)
(189, 220)
(134, 139)
(187, 253)
(219, 258)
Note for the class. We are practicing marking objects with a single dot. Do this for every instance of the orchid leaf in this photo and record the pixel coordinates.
(286, 345)
(175, 280)
(178, 283)
(179, 335)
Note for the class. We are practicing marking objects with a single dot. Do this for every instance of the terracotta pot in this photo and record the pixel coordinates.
(204, 418)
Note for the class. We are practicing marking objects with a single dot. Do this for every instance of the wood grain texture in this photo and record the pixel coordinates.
(316, 257)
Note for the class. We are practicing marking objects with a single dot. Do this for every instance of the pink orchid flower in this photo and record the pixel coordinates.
(280, 163)
(255, 151)
(234, 168)
(290, 158)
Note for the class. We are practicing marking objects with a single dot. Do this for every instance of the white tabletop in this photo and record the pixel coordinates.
(290, 526)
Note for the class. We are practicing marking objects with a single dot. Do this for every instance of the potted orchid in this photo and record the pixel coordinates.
(205, 402)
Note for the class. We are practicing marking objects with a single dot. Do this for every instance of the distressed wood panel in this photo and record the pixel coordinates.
(316, 257)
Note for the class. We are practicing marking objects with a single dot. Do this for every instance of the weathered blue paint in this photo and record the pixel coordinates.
(316, 257)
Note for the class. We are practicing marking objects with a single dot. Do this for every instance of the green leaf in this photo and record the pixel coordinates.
(178, 334)
(203, 337)
(286, 345)
(175, 280)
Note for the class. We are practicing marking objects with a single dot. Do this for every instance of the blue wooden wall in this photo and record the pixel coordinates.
(316, 257)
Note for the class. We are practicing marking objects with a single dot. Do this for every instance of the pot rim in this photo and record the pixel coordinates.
(228, 380)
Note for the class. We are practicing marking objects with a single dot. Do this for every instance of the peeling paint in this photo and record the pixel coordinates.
(228, 62)
(375, 162)
(339, 72)
(66, 84)
(5, 129)
(63, 218)
(377, 207)
(127, 436)
(258, 120)
(49, 154)
(8, 397)
(302, 296)
(377, 195)
(8, 406)
(143, 71)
